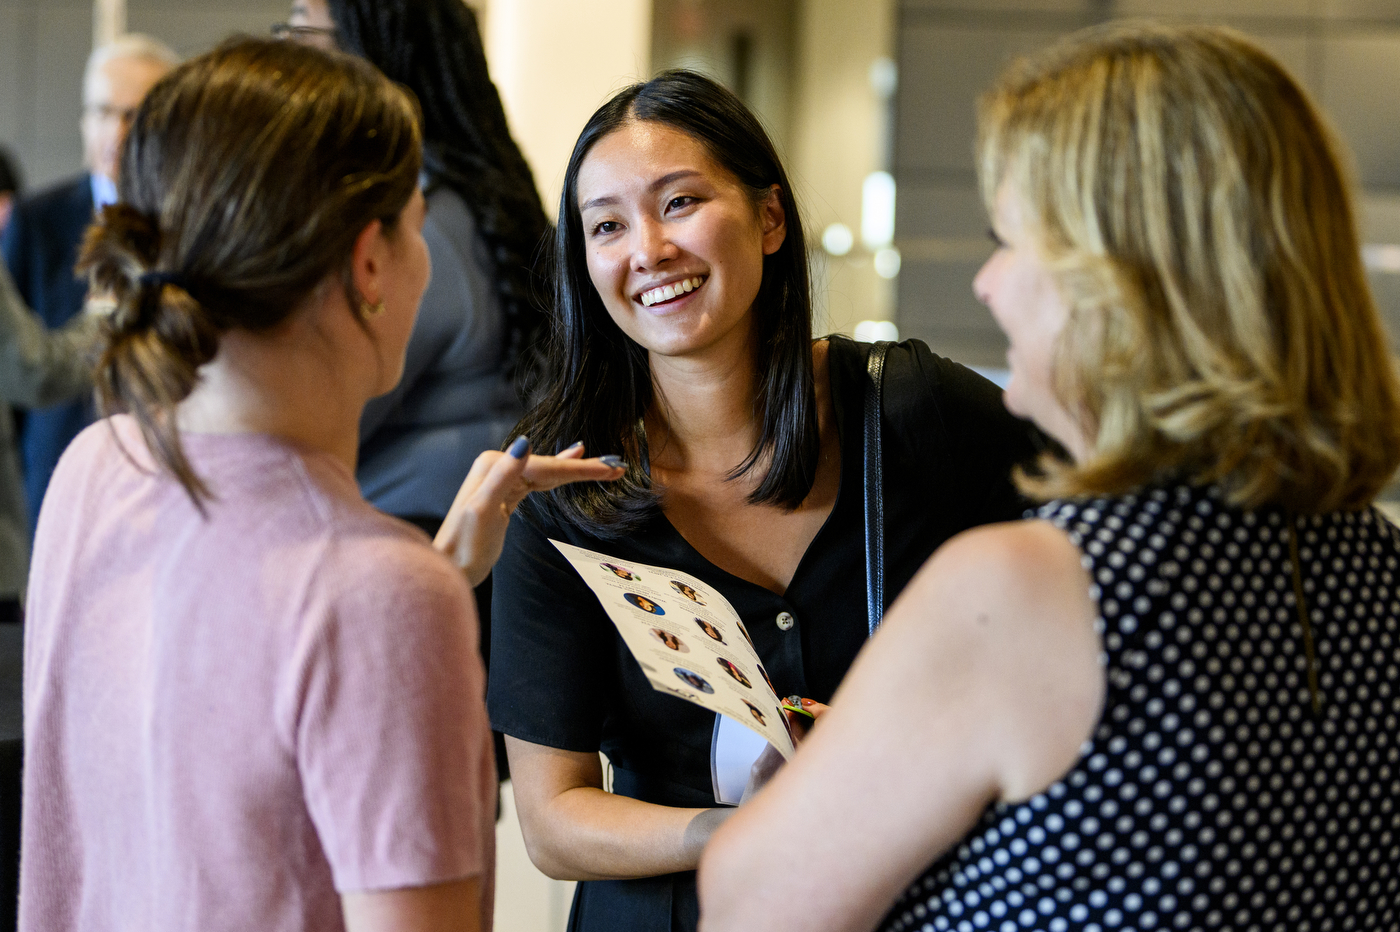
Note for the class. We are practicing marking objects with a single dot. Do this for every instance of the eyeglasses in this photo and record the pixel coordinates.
(304, 34)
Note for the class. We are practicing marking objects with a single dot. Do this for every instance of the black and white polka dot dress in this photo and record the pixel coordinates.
(1211, 795)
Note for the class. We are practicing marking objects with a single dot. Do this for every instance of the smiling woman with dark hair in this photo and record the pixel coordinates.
(683, 340)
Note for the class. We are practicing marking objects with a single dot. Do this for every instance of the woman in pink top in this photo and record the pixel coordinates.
(251, 700)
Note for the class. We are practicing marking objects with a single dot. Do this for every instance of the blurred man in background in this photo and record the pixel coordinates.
(45, 231)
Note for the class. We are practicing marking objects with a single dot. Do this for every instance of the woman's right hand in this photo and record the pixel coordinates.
(800, 724)
(770, 761)
(474, 530)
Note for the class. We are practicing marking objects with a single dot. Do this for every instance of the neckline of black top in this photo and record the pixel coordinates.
(849, 353)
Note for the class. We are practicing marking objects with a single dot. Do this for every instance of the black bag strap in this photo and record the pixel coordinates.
(874, 490)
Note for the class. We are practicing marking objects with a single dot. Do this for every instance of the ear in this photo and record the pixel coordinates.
(774, 220)
(368, 262)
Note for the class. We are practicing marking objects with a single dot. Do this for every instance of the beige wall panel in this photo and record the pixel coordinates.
(996, 6)
(191, 30)
(1378, 216)
(1386, 288)
(1300, 54)
(62, 41)
(847, 291)
(1359, 76)
(936, 305)
(1360, 9)
(943, 69)
(15, 108)
(1271, 9)
(840, 126)
(840, 135)
(703, 39)
(555, 62)
(940, 211)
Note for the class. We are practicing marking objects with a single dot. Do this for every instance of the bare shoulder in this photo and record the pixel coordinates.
(982, 685)
(1010, 604)
(1018, 573)
(1023, 546)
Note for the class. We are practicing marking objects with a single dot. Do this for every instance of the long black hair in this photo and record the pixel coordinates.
(433, 47)
(598, 386)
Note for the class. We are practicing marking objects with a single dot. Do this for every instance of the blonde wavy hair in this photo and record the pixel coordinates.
(1193, 208)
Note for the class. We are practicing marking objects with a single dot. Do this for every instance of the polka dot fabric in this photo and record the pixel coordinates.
(1211, 796)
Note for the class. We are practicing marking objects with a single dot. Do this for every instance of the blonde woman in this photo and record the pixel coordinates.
(1171, 701)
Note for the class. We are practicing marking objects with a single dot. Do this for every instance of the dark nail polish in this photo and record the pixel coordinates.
(573, 446)
(612, 460)
(520, 447)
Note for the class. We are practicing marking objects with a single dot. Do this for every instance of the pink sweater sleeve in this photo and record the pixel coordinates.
(390, 731)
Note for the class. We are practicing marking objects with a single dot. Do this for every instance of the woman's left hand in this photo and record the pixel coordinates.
(474, 530)
(770, 761)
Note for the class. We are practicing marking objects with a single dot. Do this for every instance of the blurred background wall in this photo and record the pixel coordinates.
(870, 101)
(45, 43)
(1346, 52)
(804, 65)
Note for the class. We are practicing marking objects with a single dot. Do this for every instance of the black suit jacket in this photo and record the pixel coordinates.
(41, 248)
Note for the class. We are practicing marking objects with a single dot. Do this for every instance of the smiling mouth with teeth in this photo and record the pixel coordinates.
(669, 292)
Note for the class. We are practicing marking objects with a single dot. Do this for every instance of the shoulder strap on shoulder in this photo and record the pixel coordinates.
(874, 489)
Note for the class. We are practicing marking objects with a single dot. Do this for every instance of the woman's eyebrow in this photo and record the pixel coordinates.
(597, 202)
(663, 181)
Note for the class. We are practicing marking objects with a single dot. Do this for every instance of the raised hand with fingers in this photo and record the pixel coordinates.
(474, 530)
(801, 714)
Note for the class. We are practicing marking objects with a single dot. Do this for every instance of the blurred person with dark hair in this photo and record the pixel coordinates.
(253, 701)
(45, 230)
(472, 347)
(9, 188)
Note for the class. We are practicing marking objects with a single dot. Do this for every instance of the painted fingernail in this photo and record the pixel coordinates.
(573, 446)
(612, 460)
(520, 447)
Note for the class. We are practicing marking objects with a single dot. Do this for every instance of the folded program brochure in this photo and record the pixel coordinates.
(690, 643)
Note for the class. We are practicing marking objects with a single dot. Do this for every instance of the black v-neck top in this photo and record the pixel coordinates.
(560, 673)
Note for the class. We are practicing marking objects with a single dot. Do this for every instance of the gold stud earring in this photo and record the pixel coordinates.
(371, 310)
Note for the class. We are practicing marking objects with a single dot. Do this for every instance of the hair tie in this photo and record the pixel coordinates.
(161, 279)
